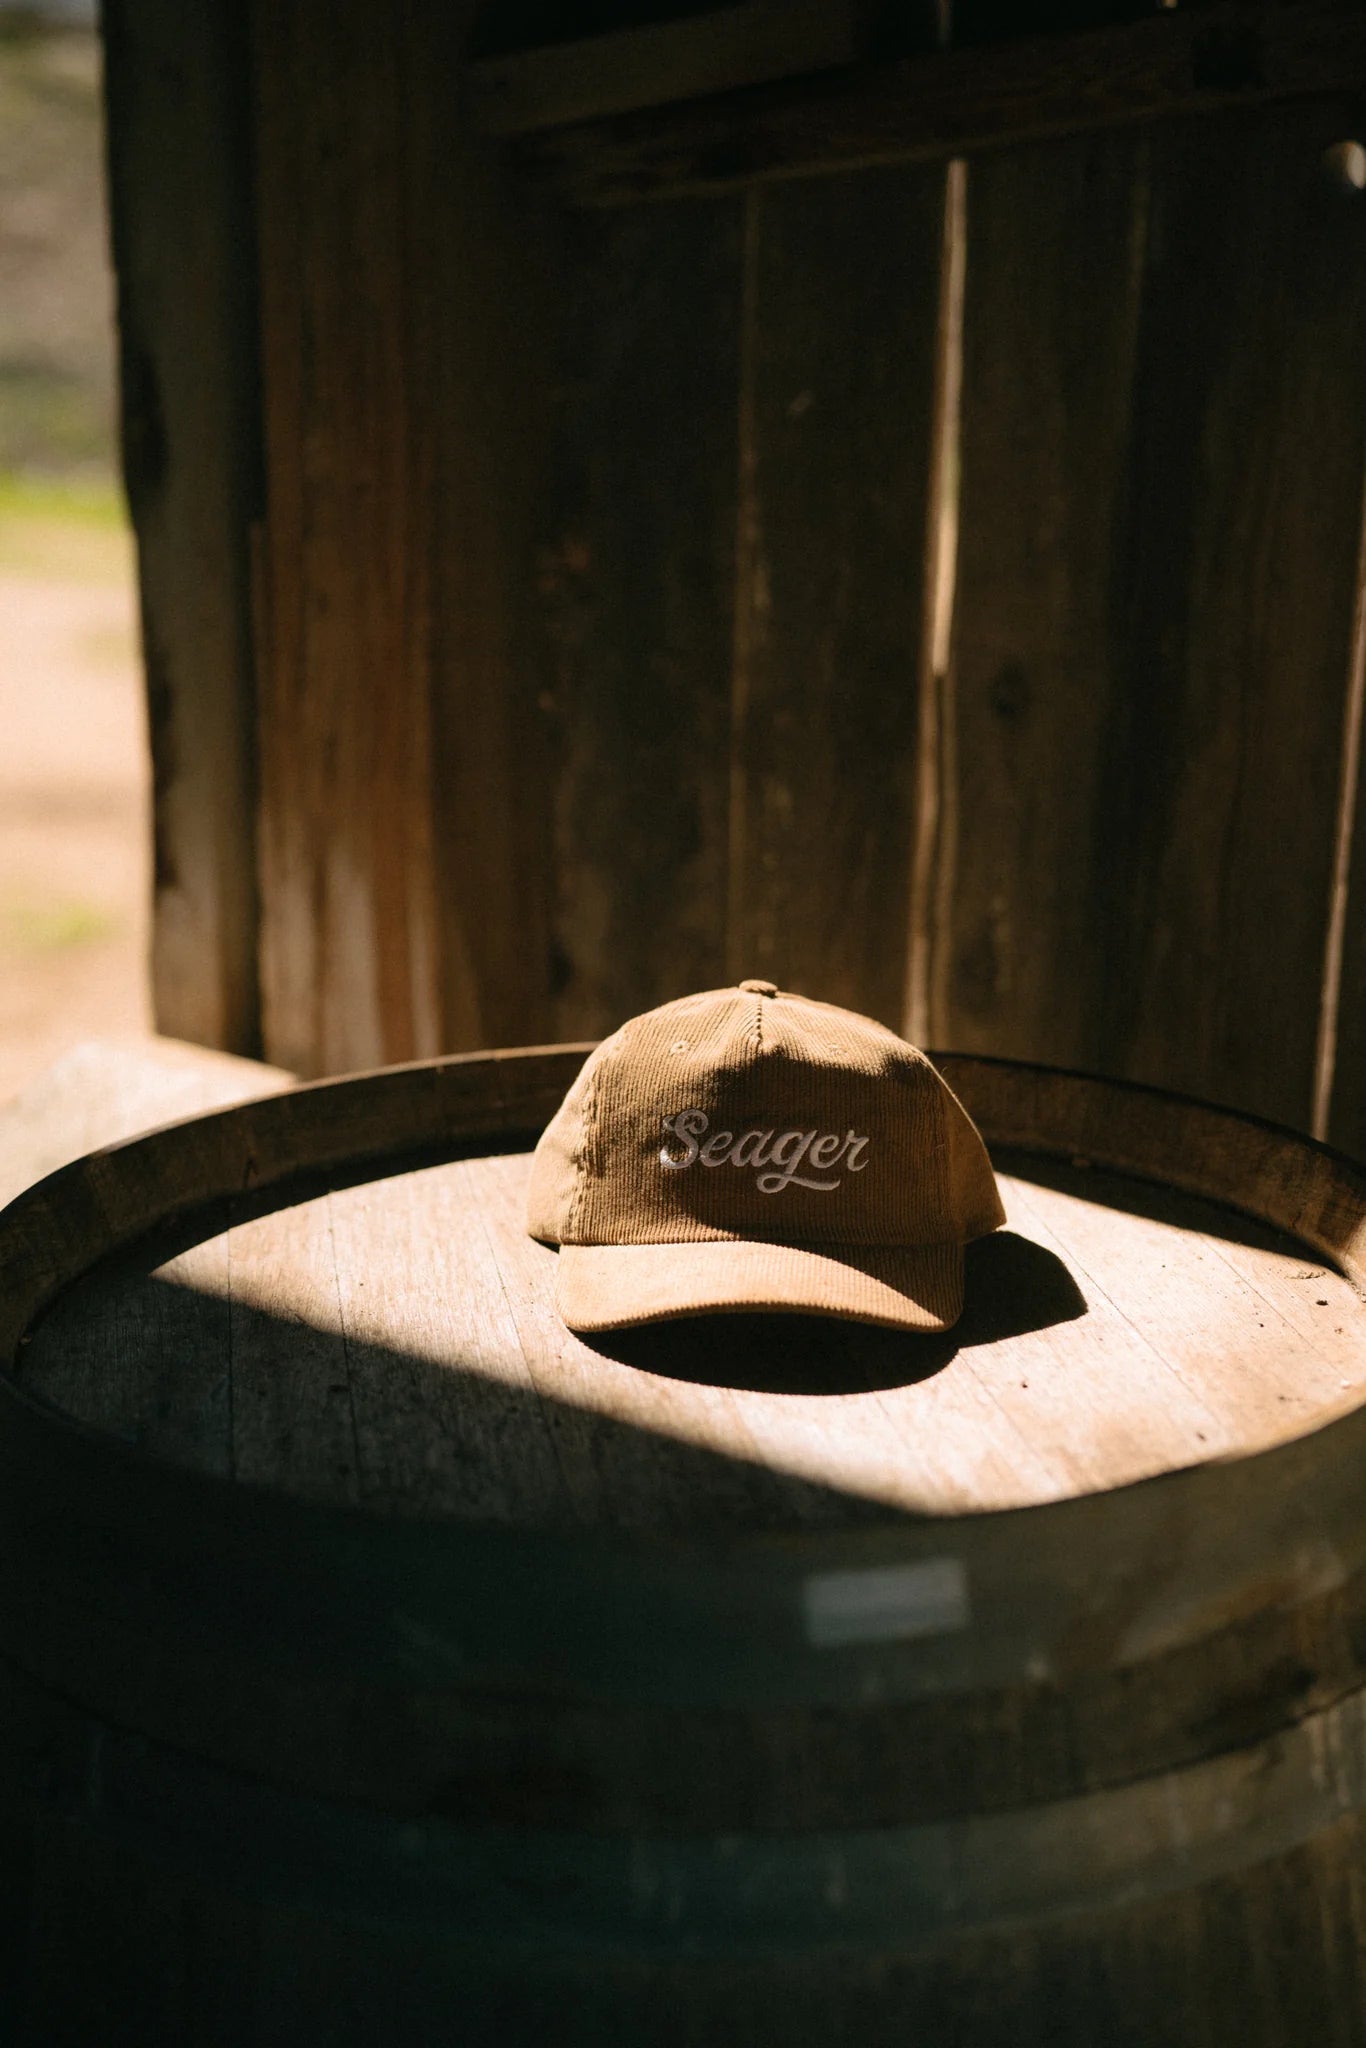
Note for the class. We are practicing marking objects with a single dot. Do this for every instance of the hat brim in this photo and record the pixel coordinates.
(619, 1287)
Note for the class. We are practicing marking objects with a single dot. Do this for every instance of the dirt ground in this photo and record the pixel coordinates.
(74, 834)
(74, 792)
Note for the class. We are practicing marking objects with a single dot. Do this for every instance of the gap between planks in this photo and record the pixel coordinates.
(936, 822)
(746, 568)
(1325, 1064)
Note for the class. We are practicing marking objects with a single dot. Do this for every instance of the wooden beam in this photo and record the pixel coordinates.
(637, 600)
(180, 202)
(401, 803)
(836, 427)
(521, 91)
(1237, 54)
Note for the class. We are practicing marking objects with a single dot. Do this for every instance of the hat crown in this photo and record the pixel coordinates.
(752, 1114)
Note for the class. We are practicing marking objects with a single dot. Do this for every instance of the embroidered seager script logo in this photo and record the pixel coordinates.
(775, 1156)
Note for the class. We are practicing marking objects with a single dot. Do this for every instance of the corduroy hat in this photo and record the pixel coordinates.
(750, 1150)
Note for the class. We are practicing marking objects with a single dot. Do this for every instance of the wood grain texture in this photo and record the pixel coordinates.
(110, 1089)
(480, 275)
(399, 900)
(168, 1358)
(520, 90)
(1261, 1956)
(179, 147)
(1172, 620)
(397, 1341)
(1235, 579)
(1051, 305)
(288, 1410)
(593, 1406)
(637, 583)
(837, 394)
(1197, 60)
(347, 937)
(491, 1753)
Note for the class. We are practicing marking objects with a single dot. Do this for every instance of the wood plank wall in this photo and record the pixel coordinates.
(605, 648)
(834, 454)
(1163, 427)
(1161, 440)
(637, 579)
(183, 234)
(399, 801)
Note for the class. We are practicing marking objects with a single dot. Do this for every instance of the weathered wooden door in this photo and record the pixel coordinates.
(900, 536)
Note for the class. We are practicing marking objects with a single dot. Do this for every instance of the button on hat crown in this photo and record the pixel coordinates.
(861, 1175)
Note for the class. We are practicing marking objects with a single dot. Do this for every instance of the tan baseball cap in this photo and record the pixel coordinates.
(750, 1150)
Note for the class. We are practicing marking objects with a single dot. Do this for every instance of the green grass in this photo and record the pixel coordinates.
(72, 500)
(73, 528)
(53, 927)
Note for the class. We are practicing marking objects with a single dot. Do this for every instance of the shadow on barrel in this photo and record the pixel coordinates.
(1012, 1287)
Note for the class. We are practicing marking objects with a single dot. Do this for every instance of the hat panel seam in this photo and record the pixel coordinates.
(947, 1205)
(587, 1130)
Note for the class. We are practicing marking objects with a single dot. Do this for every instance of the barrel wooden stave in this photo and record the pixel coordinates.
(179, 1953)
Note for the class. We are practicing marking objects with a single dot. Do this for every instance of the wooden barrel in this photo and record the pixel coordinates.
(380, 1662)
